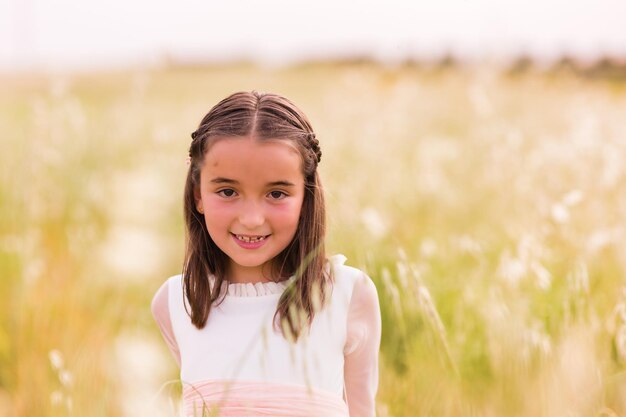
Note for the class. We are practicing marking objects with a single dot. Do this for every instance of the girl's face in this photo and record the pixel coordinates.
(251, 195)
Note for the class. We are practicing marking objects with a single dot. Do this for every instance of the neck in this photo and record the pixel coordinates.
(249, 274)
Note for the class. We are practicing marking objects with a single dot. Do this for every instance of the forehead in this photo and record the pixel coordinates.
(251, 160)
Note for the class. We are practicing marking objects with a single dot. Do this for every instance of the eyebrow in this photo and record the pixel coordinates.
(281, 183)
(222, 180)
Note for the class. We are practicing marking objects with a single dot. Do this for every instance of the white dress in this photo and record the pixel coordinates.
(239, 365)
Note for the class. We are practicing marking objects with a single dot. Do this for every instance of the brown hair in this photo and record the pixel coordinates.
(265, 117)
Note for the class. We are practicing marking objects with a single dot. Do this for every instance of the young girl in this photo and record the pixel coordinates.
(260, 322)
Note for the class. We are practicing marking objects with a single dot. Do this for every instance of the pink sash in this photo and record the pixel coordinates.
(259, 399)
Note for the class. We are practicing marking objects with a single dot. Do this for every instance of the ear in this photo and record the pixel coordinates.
(198, 198)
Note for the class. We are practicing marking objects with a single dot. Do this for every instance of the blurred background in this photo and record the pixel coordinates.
(474, 164)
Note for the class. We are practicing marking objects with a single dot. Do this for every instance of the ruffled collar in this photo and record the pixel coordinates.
(260, 289)
(248, 289)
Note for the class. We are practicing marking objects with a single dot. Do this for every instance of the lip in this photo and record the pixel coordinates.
(250, 245)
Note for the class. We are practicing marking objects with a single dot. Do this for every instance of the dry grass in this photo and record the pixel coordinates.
(488, 208)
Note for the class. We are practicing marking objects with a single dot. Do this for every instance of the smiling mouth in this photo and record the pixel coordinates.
(250, 239)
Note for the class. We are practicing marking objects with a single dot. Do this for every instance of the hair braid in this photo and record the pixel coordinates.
(314, 145)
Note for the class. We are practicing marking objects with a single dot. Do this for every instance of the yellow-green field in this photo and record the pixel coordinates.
(488, 207)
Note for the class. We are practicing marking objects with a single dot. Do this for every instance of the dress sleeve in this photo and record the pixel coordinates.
(361, 349)
(161, 313)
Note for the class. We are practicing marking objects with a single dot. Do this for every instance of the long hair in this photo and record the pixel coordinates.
(264, 117)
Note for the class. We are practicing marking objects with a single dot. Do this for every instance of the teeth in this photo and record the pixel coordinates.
(249, 239)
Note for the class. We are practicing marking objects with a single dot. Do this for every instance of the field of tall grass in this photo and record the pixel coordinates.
(487, 206)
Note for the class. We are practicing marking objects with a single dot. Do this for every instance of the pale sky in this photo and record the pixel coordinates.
(88, 34)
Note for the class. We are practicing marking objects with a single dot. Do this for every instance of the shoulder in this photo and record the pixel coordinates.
(160, 300)
(173, 281)
(357, 282)
(341, 271)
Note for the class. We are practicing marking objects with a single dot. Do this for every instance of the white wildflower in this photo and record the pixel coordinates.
(428, 247)
(66, 378)
(469, 245)
(600, 239)
(56, 359)
(579, 279)
(374, 222)
(56, 397)
(560, 213)
(69, 403)
(572, 198)
(511, 269)
(403, 273)
(544, 278)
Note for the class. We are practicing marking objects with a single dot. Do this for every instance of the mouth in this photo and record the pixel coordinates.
(250, 238)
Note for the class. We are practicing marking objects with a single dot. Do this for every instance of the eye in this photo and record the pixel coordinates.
(277, 195)
(226, 192)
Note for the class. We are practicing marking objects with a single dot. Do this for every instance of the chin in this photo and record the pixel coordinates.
(249, 262)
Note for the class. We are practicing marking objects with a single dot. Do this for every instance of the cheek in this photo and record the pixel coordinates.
(216, 211)
(288, 214)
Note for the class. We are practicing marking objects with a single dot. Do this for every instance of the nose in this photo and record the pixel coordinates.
(251, 215)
